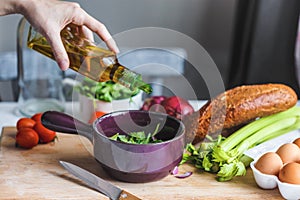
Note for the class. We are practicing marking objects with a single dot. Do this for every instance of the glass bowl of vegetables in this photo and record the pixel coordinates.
(131, 145)
(105, 97)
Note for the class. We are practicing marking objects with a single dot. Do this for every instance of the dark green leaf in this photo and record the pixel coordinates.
(138, 137)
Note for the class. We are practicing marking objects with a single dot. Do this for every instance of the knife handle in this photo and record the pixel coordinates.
(127, 196)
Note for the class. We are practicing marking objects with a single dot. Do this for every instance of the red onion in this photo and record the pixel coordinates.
(185, 175)
(154, 104)
(174, 106)
(175, 171)
(177, 107)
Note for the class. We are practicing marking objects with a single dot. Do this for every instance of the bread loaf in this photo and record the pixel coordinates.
(241, 105)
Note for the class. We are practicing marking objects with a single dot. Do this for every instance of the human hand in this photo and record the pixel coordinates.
(49, 17)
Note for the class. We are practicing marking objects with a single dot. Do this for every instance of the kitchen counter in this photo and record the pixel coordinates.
(37, 174)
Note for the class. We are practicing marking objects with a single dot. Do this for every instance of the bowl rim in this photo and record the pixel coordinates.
(178, 135)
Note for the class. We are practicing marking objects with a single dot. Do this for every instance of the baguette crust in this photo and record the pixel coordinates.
(241, 105)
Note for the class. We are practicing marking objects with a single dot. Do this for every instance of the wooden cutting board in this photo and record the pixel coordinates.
(37, 174)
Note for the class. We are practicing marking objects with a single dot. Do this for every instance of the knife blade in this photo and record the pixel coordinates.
(110, 190)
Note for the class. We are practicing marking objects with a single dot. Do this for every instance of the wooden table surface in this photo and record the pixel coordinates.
(37, 174)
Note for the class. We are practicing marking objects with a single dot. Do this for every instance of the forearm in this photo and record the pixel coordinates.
(12, 6)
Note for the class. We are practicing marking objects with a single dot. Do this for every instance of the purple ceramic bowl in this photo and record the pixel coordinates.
(123, 161)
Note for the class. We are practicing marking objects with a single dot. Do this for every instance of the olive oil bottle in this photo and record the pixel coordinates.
(89, 60)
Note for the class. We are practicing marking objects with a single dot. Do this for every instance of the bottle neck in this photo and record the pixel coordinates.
(132, 80)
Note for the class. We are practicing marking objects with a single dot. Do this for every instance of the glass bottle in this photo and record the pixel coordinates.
(89, 60)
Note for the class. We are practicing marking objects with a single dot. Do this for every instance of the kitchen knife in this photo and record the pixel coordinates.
(110, 190)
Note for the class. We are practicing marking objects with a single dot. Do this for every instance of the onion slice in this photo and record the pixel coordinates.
(185, 175)
(175, 171)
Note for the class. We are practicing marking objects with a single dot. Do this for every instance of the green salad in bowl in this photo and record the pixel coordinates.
(105, 97)
(104, 91)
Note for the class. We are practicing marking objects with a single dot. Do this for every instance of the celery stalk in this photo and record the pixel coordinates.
(254, 126)
(255, 139)
(225, 156)
(282, 131)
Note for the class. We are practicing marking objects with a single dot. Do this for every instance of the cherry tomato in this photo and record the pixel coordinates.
(25, 123)
(37, 117)
(96, 115)
(27, 138)
(45, 134)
